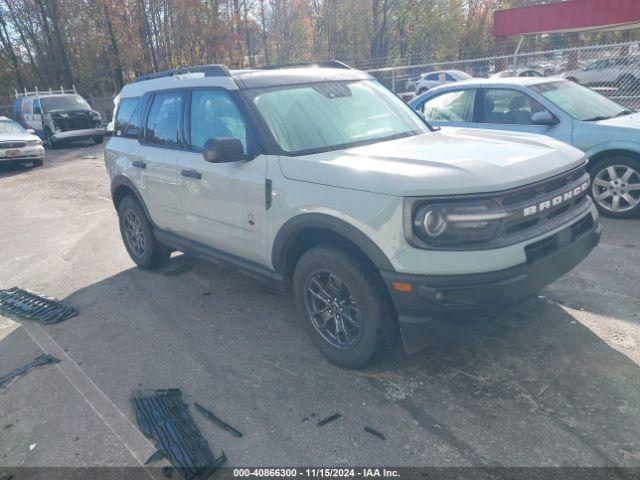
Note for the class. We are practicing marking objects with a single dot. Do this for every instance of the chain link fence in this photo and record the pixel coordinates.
(612, 70)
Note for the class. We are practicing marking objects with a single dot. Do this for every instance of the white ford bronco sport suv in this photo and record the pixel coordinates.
(323, 182)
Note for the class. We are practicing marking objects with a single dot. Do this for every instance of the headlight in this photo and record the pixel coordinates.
(455, 223)
(34, 143)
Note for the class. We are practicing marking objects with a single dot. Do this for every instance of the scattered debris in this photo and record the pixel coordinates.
(32, 446)
(47, 310)
(209, 415)
(375, 433)
(333, 417)
(7, 426)
(164, 418)
(155, 457)
(38, 361)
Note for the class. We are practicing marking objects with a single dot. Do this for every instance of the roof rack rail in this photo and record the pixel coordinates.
(320, 64)
(36, 92)
(213, 70)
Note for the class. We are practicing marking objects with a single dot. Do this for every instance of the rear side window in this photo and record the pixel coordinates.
(214, 114)
(128, 116)
(163, 119)
(450, 107)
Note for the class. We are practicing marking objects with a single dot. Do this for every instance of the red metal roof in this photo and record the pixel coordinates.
(566, 16)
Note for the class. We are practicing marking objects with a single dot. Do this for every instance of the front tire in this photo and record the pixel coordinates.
(37, 163)
(343, 306)
(137, 235)
(615, 186)
(49, 141)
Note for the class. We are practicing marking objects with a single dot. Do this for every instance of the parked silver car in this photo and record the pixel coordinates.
(608, 132)
(18, 144)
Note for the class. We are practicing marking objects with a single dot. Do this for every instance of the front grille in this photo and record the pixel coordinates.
(7, 145)
(542, 248)
(536, 205)
(78, 122)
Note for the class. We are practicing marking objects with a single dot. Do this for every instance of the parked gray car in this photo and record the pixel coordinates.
(607, 132)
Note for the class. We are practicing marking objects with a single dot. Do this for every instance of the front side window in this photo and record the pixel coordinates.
(450, 107)
(327, 116)
(214, 114)
(509, 107)
(128, 116)
(64, 103)
(163, 119)
(580, 102)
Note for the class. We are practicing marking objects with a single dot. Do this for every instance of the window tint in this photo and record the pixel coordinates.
(432, 76)
(214, 114)
(450, 107)
(128, 116)
(509, 107)
(36, 107)
(162, 122)
(449, 78)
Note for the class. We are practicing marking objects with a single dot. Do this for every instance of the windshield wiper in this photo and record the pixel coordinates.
(600, 117)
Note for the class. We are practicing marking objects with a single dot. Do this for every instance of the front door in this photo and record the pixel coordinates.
(224, 203)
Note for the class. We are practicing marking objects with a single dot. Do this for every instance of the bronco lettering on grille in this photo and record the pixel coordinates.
(555, 201)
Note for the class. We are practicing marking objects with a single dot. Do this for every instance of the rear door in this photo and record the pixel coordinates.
(155, 157)
(511, 109)
(451, 108)
(224, 203)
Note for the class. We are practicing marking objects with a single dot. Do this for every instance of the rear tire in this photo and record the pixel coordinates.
(372, 328)
(137, 235)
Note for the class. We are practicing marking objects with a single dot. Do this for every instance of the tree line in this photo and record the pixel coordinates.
(99, 45)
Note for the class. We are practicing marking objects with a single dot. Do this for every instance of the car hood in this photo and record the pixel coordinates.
(20, 137)
(445, 162)
(628, 121)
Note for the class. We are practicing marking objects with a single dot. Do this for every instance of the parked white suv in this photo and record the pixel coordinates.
(321, 181)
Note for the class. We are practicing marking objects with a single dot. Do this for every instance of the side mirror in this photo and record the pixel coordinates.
(133, 133)
(223, 150)
(31, 131)
(543, 118)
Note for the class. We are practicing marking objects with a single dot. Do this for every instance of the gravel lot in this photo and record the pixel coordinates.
(551, 382)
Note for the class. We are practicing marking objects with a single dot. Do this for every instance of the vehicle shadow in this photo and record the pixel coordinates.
(533, 386)
(9, 169)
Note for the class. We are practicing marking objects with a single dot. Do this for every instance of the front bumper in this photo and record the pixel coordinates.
(27, 154)
(484, 294)
(83, 134)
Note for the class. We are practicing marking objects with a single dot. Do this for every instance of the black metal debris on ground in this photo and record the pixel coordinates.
(37, 362)
(164, 418)
(209, 415)
(375, 433)
(333, 417)
(46, 310)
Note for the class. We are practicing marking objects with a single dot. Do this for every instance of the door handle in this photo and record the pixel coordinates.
(191, 174)
(139, 164)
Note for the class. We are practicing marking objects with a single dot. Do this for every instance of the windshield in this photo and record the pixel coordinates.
(327, 116)
(63, 103)
(580, 102)
(7, 126)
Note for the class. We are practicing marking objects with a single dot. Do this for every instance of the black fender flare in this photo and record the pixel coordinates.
(120, 181)
(297, 224)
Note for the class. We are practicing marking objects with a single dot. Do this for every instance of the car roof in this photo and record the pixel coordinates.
(244, 79)
(489, 82)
